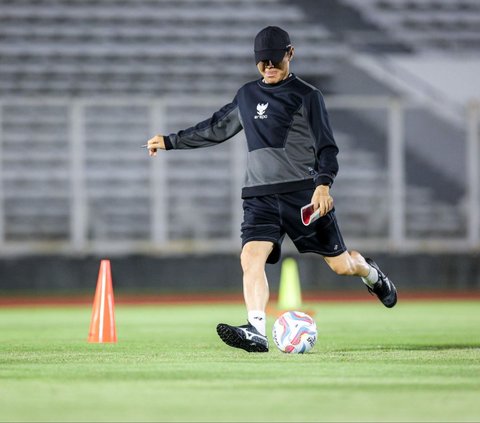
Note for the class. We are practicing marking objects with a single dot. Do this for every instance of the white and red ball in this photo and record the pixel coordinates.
(294, 332)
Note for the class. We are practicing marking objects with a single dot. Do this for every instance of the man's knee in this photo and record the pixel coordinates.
(255, 254)
(246, 258)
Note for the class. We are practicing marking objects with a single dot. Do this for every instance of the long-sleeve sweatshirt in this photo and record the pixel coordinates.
(290, 142)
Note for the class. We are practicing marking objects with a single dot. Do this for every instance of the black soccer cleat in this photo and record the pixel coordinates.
(384, 289)
(245, 337)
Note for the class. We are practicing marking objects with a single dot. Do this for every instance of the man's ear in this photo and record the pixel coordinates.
(291, 53)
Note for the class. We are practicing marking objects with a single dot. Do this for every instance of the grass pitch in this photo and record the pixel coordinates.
(417, 362)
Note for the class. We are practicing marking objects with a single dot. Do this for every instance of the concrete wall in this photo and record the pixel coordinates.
(222, 273)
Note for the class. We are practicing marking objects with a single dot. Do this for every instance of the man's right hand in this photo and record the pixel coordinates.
(155, 143)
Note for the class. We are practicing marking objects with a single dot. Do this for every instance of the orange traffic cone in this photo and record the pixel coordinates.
(102, 326)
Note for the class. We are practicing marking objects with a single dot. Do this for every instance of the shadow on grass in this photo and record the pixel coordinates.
(414, 347)
(438, 347)
(430, 347)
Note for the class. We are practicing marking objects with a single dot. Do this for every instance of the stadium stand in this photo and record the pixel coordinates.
(115, 48)
(379, 32)
(144, 47)
(426, 24)
(68, 70)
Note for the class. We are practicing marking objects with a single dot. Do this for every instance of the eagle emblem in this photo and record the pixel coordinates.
(261, 108)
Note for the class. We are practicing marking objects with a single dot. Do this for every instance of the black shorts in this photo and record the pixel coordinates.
(270, 217)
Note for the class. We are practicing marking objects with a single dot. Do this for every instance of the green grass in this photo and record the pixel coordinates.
(417, 362)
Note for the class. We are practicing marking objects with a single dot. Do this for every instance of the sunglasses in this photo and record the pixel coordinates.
(275, 64)
(270, 63)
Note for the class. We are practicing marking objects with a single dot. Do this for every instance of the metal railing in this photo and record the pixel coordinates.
(160, 206)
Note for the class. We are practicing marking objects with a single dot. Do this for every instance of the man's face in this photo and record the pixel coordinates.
(275, 72)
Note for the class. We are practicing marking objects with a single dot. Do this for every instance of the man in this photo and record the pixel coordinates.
(291, 162)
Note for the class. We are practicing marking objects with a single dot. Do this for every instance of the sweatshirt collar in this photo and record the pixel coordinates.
(287, 80)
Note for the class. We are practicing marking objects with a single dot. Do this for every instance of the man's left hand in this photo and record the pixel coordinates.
(322, 199)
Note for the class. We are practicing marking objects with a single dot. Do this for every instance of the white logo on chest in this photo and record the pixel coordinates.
(261, 108)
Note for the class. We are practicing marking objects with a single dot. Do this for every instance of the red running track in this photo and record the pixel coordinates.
(132, 299)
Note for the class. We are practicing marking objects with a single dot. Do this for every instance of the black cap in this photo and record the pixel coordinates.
(271, 43)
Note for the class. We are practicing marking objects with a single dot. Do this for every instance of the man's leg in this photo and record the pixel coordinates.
(352, 263)
(349, 263)
(255, 285)
(251, 337)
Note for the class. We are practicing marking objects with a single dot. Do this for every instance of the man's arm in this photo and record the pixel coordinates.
(326, 151)
(223, 125)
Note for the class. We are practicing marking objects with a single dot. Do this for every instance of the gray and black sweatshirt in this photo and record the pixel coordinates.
(290, 141)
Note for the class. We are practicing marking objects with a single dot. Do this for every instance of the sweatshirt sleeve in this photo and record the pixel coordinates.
(326, 150)
(223, 124)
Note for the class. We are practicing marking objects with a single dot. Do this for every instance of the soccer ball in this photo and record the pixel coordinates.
(294, 332)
